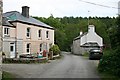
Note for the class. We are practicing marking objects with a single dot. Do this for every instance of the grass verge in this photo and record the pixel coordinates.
(7, 76)
(107, 76)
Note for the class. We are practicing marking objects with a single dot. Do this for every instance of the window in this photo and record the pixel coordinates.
(6, 31)
(28, 32)
(40, 47)
(39, 33)
(47, 34)
(11, 48)
(28, 48)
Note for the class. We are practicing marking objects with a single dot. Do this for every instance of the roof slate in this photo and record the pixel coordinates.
(17, 16)
(80, 36)
(5, 22)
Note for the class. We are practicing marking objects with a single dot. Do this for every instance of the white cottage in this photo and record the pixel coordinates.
(88, 40)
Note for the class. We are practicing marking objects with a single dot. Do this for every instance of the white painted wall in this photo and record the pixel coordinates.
(91, 36)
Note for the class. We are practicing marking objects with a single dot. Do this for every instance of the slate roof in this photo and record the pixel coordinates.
(80, 36)
(15, 16)
(5, 22)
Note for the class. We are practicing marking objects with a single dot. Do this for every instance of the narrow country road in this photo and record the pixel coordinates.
(70, 66)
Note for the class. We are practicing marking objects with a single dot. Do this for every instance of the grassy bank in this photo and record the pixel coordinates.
(7, 76)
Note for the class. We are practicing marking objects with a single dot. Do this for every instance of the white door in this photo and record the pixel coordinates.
(12, 50)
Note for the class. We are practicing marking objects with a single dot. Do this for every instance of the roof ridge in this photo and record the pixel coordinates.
(10, 12)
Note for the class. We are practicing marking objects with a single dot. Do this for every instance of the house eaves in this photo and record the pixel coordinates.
(79, 37)
(5, 22)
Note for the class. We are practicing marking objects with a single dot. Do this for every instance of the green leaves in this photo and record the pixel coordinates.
(67, 28)
(55, 49)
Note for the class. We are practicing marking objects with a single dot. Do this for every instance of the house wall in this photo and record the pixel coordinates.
(34, 40)
(11, 32)
(91, 36)
(76, 49)
(7, 39)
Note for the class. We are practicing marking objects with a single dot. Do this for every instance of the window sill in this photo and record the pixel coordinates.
(39, 38)
(6, 35)
(47, 39)
(28, 38)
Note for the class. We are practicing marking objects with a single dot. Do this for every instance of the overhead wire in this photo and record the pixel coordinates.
(99, 4)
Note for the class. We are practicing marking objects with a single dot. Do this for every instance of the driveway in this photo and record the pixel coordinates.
(70, 66)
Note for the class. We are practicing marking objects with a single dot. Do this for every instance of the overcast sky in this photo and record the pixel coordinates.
(61, 8)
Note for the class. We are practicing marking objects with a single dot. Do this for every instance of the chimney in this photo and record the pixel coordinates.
(81, 32)
(25, 11)
(91, 28)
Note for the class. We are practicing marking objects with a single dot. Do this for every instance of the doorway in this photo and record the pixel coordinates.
(12, 50)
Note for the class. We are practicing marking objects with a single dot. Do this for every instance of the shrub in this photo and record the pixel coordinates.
(110, 62)
(55, 49)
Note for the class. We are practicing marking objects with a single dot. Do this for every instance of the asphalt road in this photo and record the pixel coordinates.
(70, 66)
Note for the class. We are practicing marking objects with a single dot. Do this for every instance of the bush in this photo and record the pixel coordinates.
(110, 62)
(55, 49)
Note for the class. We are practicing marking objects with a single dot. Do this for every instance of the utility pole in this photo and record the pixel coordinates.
(88, 18)
(1, 10)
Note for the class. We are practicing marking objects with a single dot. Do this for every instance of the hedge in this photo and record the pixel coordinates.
(110, 63)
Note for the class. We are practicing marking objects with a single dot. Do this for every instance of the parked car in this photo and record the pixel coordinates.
(95, 54)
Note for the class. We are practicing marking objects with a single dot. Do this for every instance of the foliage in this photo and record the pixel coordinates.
(110, 63)
(7, 76)
(86, 54)
(23, 61)
(55, 49)
(67, 28)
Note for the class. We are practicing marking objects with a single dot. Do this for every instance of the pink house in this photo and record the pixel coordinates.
(24, 34)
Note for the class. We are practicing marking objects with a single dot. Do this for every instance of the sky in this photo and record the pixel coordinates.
(61, 8)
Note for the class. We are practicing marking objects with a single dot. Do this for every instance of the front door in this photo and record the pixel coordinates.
(12, 50)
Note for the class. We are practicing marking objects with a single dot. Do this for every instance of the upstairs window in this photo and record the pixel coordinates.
(28, 33)
(47, 34)
(39, 33)
(6, 31)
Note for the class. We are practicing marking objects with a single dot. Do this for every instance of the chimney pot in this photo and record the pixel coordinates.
(81, 32)
(91, 28)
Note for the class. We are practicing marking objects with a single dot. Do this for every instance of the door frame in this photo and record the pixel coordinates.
(12, 50)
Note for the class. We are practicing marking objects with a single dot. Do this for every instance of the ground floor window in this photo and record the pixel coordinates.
(40, 47)
(28, 48)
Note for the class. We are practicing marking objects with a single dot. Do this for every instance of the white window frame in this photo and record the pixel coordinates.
(28, 33)
(40, 34)
(28, 48)
(6, 31)
(47, 34)
(40, 47)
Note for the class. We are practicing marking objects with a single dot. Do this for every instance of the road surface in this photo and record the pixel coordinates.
(70, 66)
